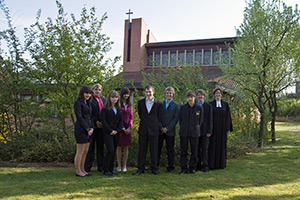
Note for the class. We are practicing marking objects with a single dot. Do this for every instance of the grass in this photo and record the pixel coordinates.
(274, 173)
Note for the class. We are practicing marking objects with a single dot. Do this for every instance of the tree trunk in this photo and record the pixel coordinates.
(273, 121)
(261, 130)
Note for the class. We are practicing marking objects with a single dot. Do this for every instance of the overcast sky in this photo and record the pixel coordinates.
(168, 20)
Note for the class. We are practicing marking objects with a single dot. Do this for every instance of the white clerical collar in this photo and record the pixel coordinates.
(218, 104)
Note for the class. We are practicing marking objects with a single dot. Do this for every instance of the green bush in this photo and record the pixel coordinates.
(288, 107)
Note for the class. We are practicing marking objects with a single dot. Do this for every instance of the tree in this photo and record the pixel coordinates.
(68, 53)
(264, 55)
(14, 82)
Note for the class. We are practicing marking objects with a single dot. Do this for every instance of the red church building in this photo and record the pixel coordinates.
(143, 52)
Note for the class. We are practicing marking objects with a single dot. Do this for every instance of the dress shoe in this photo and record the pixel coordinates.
(183, 172)
(138, 172)
(107, 173)
(113, 173)
(170, 170)
(89, 175)
(155, 172)
(118, 169)
(192, 171)
(206, 169)
(99, 169)
(80, 175)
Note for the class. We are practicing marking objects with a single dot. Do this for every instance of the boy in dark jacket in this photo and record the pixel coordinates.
(190, 119)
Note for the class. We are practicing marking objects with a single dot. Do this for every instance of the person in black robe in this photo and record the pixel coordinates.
(222, 126)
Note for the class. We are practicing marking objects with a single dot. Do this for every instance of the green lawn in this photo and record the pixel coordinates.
(273, 173)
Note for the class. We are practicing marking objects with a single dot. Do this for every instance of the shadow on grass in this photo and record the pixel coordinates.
(276, 165)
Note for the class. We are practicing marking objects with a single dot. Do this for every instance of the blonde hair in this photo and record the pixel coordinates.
(97, 85)
(170, 89)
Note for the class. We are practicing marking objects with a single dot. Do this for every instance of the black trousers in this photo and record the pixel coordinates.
(203, 151)
(97, 140)
(184, 152)
(170, 149)
(111, 142)
(144, 139)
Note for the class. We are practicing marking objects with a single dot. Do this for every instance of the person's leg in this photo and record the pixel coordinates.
(170, 151)
(183, 153)
(108, 139)
(78, 159)
(119, 155)
(86, 149)
(125, 157)
(194, 151)
(154, 152)
(143, 146)
(160, 145)
(90, 155)
(100, 150)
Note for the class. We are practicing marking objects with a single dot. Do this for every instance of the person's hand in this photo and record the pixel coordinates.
(90, 131)
(164, 130)
(113, 132)
(99, 124)
(208, 134)
(127, 131)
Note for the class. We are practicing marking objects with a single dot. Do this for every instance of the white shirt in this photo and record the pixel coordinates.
(218, 104)
(149, 104)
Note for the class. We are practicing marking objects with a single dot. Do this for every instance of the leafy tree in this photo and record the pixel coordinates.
(264, 55)
(181, 78)
(68, 53)
(14, 82)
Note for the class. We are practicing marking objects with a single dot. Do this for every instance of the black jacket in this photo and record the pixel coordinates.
(83, 114)
(111, 121)
(207, 119)
(197, 120)
(170, 117)
(95, 109)
(149, 122)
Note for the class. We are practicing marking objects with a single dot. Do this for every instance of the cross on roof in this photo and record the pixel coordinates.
(129, 13)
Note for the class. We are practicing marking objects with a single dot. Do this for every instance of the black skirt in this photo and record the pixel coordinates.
(81, 136)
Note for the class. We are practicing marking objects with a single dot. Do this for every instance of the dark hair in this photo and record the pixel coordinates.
(190, 93)
(85, 89)
(108, 104)
(201, 91)
(125, 90)
(216, 89)
(149, 86)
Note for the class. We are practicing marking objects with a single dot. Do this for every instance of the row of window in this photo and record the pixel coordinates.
(178, 58)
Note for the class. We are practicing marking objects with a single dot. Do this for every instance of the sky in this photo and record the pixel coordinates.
(168, 20)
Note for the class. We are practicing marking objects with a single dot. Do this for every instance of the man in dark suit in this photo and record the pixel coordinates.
(97, 137)
(167, 127)
(190, 119)
(206, 131)
(150, 111)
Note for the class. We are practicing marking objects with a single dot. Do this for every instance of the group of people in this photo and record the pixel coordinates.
(203, 126)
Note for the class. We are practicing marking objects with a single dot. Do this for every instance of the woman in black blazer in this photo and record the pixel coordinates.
(83, 128)
(111, 116)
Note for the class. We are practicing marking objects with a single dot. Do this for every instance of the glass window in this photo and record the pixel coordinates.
(189, 58)
(216, 56)
(198, 57)
(157, 59)
(206, 60)
(181, 58)
(225, 57)
(173, 59)
(165, 57)
(150, 58)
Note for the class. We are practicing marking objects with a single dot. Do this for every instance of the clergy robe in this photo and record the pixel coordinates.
(222, 123)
